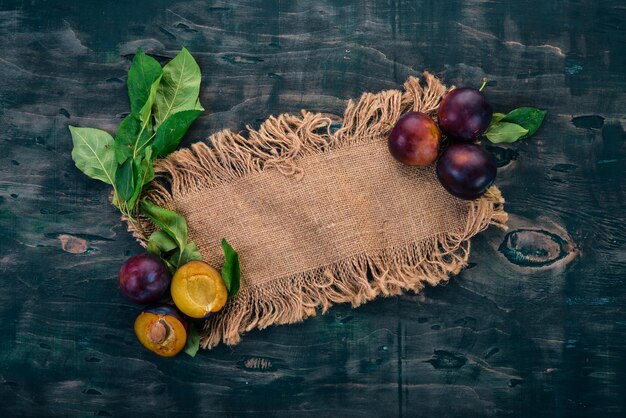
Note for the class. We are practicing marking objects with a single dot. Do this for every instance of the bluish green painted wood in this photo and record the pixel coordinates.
(535, 326)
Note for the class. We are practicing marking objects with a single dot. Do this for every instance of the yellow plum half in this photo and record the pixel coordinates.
(162, 330)
(198, 289)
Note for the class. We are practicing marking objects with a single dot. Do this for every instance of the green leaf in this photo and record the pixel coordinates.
(94, 153)
(144, 77)
(143, 174)
(160, 243)
(172, 130)
(147, 169)
(146, 110)
(190, 252)
(170, 266)
(231, 271)
(153, 249)
(179, 87)
(132, 175)
(125, 180)
(132, 136)
(505, 132)
(193, 341)
(529, 118)
(125, 138)
(496, 118)
(169, 221)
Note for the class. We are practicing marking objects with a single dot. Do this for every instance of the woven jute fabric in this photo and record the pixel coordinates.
(319, 211)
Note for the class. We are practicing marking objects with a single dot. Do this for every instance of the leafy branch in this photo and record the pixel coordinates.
(164, 102)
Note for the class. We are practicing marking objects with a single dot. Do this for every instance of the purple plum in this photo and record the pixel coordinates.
(144, 278)
(466, 170)
(464, 114)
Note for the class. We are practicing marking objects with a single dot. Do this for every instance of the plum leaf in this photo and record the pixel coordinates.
(144, 77)
(172, 236)
(179, 87)
(160, 243)
(497, 117)
(169, 221)
(147, 169)
(93, 153)
(505, 132)
(125, 180)
(529, 118)
(188, 253)
(193, 341)
(172, 130)
(132, 136)
(231, 271)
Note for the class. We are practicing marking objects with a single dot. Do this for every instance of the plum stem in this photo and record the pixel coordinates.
(484, 84)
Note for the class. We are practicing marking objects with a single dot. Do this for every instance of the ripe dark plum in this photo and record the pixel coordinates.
(464, 114)
(144, 278)
(466, 170)
(415, 139)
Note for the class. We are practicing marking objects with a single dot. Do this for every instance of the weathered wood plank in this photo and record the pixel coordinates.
(535, 326)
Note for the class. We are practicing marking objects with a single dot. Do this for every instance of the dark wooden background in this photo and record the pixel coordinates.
(536, 326)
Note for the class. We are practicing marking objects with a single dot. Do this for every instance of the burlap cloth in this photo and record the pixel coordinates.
(320, 212)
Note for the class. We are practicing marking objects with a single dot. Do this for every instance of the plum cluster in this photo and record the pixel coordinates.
(197, 290)
(464, 168)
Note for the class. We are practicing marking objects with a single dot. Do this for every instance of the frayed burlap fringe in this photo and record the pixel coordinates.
(279, 144)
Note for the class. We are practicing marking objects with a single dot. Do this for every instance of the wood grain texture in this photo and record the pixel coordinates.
(534, 327)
